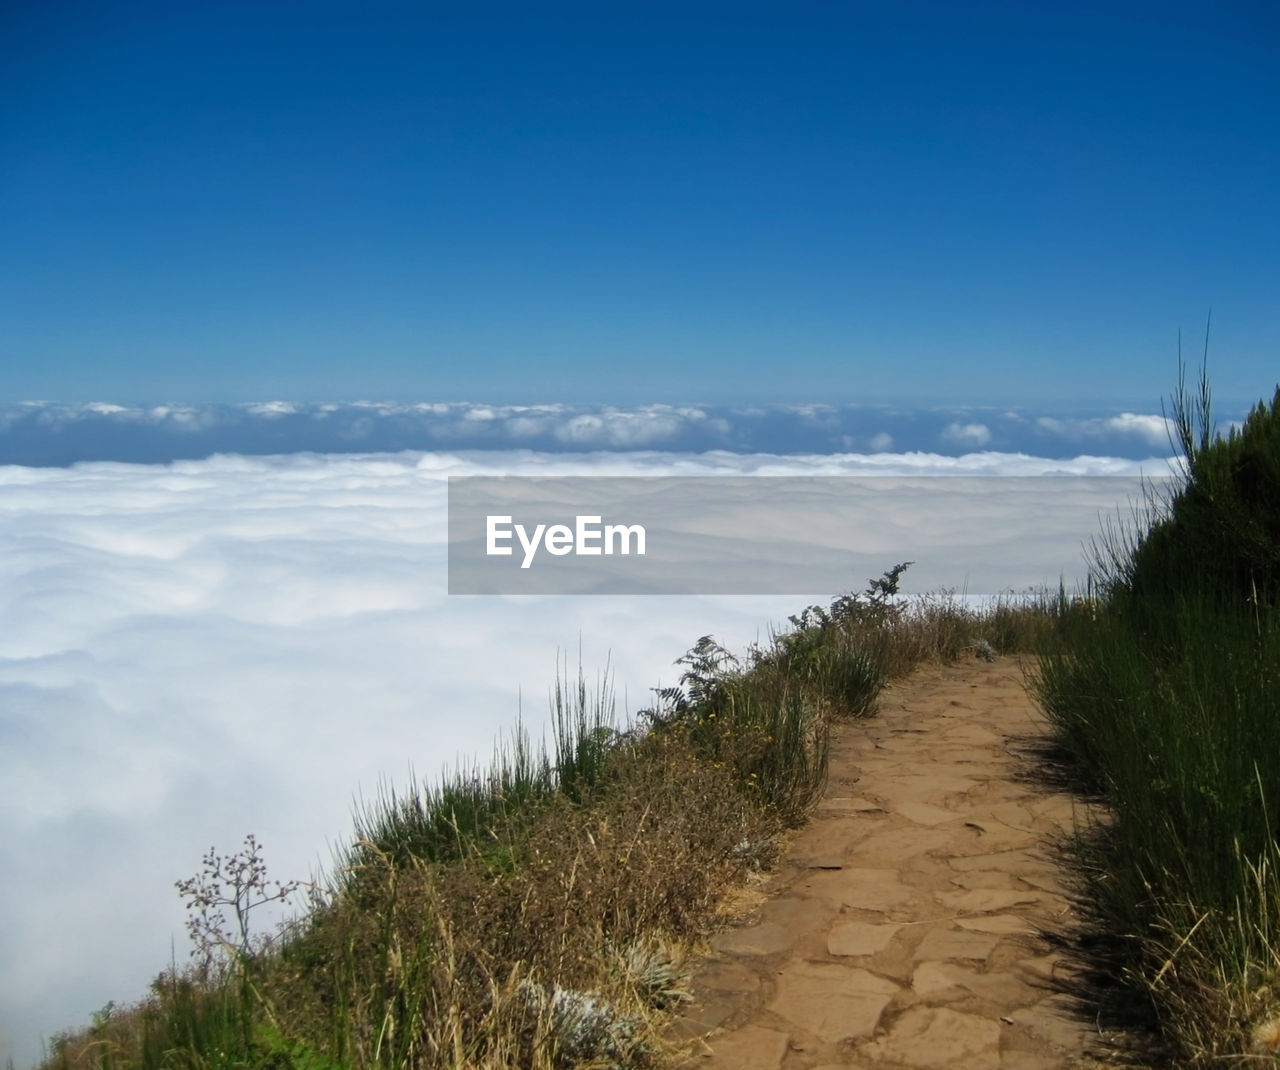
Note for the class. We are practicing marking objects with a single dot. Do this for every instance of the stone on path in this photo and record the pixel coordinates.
(832, 1001)
(860, 938)
(939, 1037)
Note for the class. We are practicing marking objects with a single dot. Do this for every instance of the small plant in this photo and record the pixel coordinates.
(984, 650)
(657, 969)
(585, 733)
(876, 605)
(239, 882)
(702, 685)
(583, 1026)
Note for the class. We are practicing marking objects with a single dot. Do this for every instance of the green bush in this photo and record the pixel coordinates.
(1220, 538)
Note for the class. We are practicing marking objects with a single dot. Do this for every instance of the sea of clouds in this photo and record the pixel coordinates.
(196, 650)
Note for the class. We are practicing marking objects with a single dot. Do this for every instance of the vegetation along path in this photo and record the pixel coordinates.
(905, 926)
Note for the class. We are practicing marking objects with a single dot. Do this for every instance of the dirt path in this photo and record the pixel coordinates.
(900, 928)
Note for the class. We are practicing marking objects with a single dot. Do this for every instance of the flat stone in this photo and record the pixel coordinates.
(726, 977)
(828, 838)
(1047, 879)
(984, 878)
(1013, 814)
(930, 1037)
(1048, 967)
(1031, 1060)
(800, 913)
(750, 1048)
(1015, 859)
(986, 900)
(1060, 809)
(832, 1001)
(974, 734)
(860, 938)
(700, 1021)
(950, 944)
(1052, 1020)
(930, 980)
(767, 938)
(992, 835)
(1004, 924)
(924, 814)
(851, 805)
(935, 980)
(866, 889)
(890, 847)
(927, 786)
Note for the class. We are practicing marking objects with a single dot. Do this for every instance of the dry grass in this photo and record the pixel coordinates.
(538, 914)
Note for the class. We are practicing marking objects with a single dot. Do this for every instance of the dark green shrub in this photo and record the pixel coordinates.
(1220, 538)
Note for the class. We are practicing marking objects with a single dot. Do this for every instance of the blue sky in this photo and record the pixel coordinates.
(627, 204)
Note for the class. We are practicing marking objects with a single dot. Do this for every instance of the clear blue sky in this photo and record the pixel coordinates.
(625, 203)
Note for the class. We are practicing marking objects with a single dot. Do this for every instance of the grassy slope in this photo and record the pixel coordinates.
(536, 913)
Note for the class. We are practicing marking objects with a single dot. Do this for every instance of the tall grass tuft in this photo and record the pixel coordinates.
(585, 733)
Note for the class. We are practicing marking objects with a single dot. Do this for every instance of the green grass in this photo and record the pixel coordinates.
(1165, 696)
(1179, 737)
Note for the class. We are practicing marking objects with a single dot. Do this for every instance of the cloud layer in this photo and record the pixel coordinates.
(46, 433)
(193, 651)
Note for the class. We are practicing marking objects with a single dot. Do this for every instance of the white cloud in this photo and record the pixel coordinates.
(815, 411)
(271, 409)
(527, 426)
(627, 429)
(193, 651)
(1154, 429)
(882, 442)
(63, 433)
(972, 434)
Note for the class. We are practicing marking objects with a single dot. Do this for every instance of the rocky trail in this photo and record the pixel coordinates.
(904, 927)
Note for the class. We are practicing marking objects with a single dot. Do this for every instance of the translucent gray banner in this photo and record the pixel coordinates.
(776, 535)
